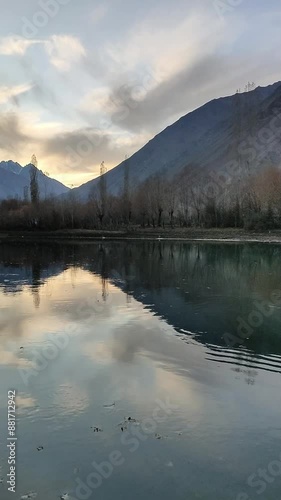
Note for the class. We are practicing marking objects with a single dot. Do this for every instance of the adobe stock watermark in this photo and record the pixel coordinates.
(131, 441)
(224, 7)
(48, 9)
(261, 479)
(255, 319)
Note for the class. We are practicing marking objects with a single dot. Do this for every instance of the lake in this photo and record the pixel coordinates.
(145, 370)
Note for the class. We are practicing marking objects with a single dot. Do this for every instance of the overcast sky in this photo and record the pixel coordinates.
(85, 80)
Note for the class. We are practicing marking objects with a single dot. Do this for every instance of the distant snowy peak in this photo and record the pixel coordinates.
(15, 180)
(11, 166)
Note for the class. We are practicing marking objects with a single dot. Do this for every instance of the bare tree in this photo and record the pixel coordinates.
(100, 201)
(25, 193)
(183, 182)
(158, 185)
(127, 205)
(34, 187)
(170, 200)
(46, 175)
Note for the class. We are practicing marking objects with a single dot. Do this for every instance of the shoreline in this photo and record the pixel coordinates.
(177, 234)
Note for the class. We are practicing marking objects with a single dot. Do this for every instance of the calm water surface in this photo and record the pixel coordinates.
(141, 341)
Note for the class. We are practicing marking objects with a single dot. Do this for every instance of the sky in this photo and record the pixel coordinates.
(86, 81)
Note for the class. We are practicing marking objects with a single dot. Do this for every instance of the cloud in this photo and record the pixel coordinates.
(64, 51)
(22, 134)
(96, 101)
(72, 156)
(164, 46)
(12, 135)
(7, 93)
(164, 104)
(99, 13)
(169, 71)
(43, 93)
(85, 149)
(77, 148)
(15, 45)
(160, 71)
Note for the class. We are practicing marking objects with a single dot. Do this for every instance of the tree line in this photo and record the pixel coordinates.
(192, 198)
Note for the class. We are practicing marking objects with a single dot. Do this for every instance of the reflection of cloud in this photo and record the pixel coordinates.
(137, 338)
(133, 341)
(182, 389)
(11, 322)
(98, 352)
(128, 342)
(148, 360)
(71, 399)
(9, 358)
(24, 402)
(79, 308)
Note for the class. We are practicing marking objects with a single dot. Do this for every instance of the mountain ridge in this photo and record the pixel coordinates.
(204, 136)
(14, 179)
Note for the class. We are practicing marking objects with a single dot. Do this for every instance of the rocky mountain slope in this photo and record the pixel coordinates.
(244, 127)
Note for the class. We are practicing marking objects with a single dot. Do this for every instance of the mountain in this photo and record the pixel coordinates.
(14, 179)
(208, 138)
(11, 166)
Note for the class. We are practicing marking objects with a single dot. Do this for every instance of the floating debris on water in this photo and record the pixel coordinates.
(97, 429)
(40, 448)
(65, 496)
(32, 494)
(126, 421)
(133, 420)
(109, 406)
(158, 436)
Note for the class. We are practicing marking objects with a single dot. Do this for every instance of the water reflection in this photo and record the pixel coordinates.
(203, 291)
(144, 321)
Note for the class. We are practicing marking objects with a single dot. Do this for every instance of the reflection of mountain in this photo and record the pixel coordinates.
(203, 290)
(31, 266)
(200, 289)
